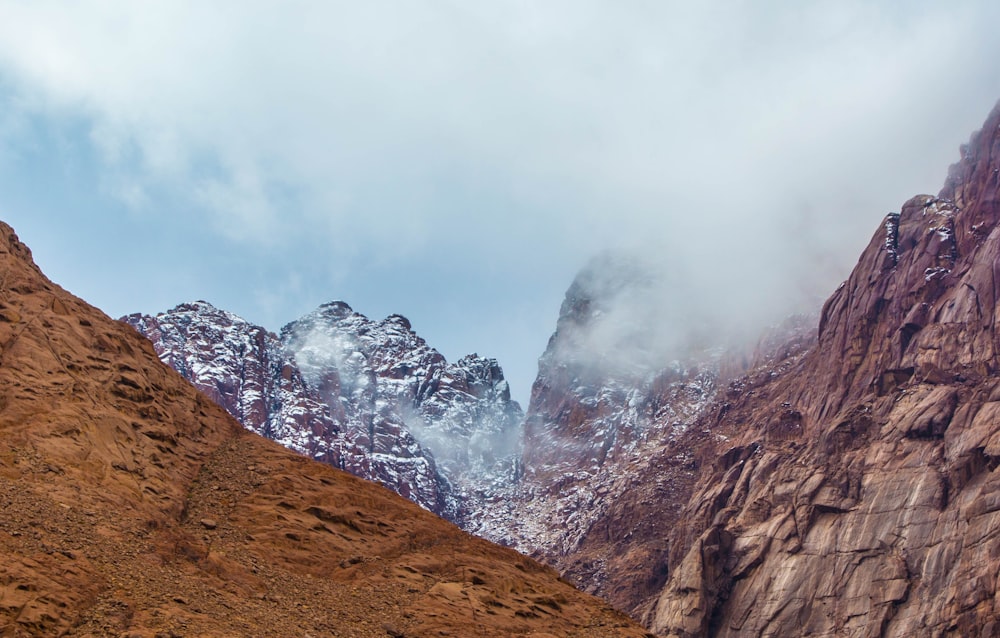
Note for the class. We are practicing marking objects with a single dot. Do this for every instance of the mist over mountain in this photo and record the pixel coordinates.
(740, 370)
(368, 397)
(859, 443)
(704, 483)
(462, 170)
(133, 505)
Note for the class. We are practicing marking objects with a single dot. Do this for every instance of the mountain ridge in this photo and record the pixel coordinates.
(868, 432)
(136, 506)
(871, 457)
(715, 493)
(368, 397)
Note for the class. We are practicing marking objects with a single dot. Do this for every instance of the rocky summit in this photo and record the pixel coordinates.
(371, 398)
(596, 414)
(133, 505)
(836, 480)
(608, 423)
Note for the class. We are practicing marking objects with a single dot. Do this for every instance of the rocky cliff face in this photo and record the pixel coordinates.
(855, 493)
(837, 481)
(368, 397)
(135, 506)
(610, 418)
(841, 480)
(608, 400)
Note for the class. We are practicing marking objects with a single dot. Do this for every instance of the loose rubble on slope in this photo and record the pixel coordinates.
(135, 506)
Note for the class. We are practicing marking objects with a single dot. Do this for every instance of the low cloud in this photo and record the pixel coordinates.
(756, 147)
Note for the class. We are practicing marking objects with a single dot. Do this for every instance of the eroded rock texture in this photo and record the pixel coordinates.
(855, 493)
(368, 397)
(133, 505)
(609, 420)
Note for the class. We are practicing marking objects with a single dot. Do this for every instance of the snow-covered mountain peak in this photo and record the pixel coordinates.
(371, 397)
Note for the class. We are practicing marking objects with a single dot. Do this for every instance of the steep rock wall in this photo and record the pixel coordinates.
(855, 494)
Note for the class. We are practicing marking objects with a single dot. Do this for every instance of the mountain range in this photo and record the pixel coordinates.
(371, 398)
(836, 478)
(133, 505)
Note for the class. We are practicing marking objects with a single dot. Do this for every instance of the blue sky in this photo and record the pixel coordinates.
(458, 162)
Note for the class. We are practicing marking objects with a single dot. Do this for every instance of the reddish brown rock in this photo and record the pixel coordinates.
(840, 481)
(111, 464)
(856, 493)
(608, 441)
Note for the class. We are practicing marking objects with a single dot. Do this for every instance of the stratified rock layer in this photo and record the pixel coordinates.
(132, 505)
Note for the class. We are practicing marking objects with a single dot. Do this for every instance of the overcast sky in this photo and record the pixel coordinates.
(458, 161)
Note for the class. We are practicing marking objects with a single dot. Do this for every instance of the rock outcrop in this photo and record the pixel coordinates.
(609, 400)
(448, 429)
(368, 397)
(133, 505)
(608, 438)
(855, 493)
(839, 480)
(244, 369)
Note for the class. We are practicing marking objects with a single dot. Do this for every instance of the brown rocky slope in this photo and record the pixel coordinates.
(850, 489)
(134, 506)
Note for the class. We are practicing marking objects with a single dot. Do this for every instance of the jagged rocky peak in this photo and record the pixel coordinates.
(605, 322)
(623, 379)
(461, 414)
(132, 505)
(243, 368)
(335, 335)
(612, 353)
(611, 391)
(209, 346)
(369, 397)
(920, 302)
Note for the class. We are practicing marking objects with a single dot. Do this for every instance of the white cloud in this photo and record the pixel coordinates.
(753, 141)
